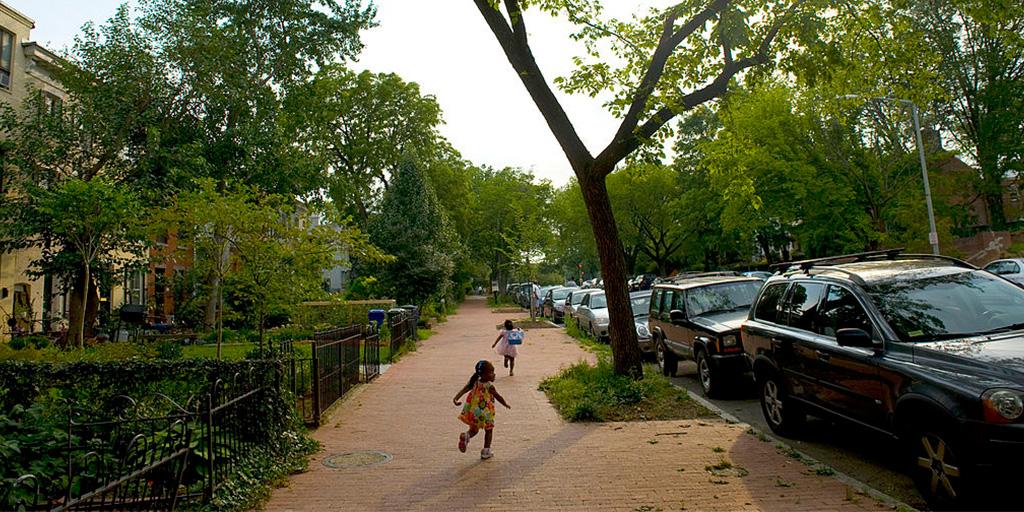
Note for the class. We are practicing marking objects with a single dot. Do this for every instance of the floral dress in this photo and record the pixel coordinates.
(503, 348)
(479, 408)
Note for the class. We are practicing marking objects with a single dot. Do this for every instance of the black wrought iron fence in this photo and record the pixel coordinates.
(338, 360)
(371, 352)
(146, 454)
(335, 364)
(403, 330)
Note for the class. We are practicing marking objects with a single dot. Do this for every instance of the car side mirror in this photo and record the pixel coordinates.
(677, 316)
(854, 338)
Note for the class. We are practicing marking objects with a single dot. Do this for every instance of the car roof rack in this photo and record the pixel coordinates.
(890, 254)
(860, 256)
(694, 275)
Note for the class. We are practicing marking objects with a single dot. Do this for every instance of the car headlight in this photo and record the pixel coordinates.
(730, 341)
(1002, 405)
(641, 331)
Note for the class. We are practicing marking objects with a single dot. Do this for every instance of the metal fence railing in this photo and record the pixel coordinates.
(147, 454)
(158, 454)
(337, 360)
(371, 353)
(403, 329)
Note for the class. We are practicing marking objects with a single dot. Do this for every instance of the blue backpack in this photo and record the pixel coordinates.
(515, 337)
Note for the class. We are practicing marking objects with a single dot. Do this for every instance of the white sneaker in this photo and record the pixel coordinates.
(486, 453)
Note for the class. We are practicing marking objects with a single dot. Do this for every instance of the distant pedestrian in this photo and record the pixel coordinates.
(478, 412)
(507, 344)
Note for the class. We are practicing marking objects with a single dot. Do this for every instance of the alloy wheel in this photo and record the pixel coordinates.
(937, 459)
(704, 373)
(772, 402)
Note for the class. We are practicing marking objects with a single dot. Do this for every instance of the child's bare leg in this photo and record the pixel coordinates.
(472, 431)
(487, 438)
(505, 363)
(511, 365)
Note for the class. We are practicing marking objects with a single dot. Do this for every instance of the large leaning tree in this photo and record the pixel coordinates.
(660, 65)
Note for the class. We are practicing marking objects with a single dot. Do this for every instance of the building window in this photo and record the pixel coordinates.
(135, 288)
(6, 58)
(52, 104)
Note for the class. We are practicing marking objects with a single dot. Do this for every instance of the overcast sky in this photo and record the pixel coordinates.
(445, 46)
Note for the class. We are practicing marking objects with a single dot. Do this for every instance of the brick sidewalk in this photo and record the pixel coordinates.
(540, 462)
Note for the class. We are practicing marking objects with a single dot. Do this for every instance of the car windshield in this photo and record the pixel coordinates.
(721, 297)
(577, 298)
(640, 305)
(950, 306)
(560, 294)
(598, 301)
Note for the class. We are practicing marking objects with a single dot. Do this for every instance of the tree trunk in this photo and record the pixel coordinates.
(76, 311)
(992, 186)
(92, 309)
(210, 319)
(621, 328)
(86, 281)
(762, 241)
(996, 213)
(220, 320)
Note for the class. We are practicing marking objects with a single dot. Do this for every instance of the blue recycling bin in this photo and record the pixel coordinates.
(376, 316)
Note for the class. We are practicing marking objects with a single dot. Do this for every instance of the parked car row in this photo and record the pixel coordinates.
(927, 350)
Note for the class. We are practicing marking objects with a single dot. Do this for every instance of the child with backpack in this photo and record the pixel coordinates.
(478, 413)
(507, 344)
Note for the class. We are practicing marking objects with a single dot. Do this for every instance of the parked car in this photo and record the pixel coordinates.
(641, 282)
(554, 303)
(1011, 269)
(541, 294)
(574, 299)
(525, 294)
(640, 302)
(592, 315)
(698, 317)
(926, 349)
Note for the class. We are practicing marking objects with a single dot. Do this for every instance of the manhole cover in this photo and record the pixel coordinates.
(356, 459)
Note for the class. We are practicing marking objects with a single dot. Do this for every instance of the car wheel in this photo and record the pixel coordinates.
(938, 466)
(783, 414)
(710, 382)
(666, 359)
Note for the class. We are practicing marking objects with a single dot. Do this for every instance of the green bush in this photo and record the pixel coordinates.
(320, 315)
(583, 392)
(100, 352)
(169, 350)
(290, 333)
(34, 401)
(18, 343)
(503, 300)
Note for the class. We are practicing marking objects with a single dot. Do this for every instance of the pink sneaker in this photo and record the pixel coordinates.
(463, 440)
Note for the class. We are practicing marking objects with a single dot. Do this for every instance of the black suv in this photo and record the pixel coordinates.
(926, 349)
(698, 317)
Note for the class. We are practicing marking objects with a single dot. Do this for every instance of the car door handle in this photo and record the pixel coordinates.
(823, 356)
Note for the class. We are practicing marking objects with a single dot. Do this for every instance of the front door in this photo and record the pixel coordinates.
(848, 378)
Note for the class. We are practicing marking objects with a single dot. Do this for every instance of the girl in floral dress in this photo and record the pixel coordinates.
(505, 349)
(478, 412)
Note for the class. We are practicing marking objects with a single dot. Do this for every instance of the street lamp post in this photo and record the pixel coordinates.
(933, 234)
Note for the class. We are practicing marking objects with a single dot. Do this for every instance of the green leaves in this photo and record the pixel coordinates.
(413, 229)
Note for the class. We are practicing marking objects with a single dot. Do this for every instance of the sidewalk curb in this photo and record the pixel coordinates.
(893, 503)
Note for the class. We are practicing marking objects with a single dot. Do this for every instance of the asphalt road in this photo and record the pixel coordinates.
(863, 455)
